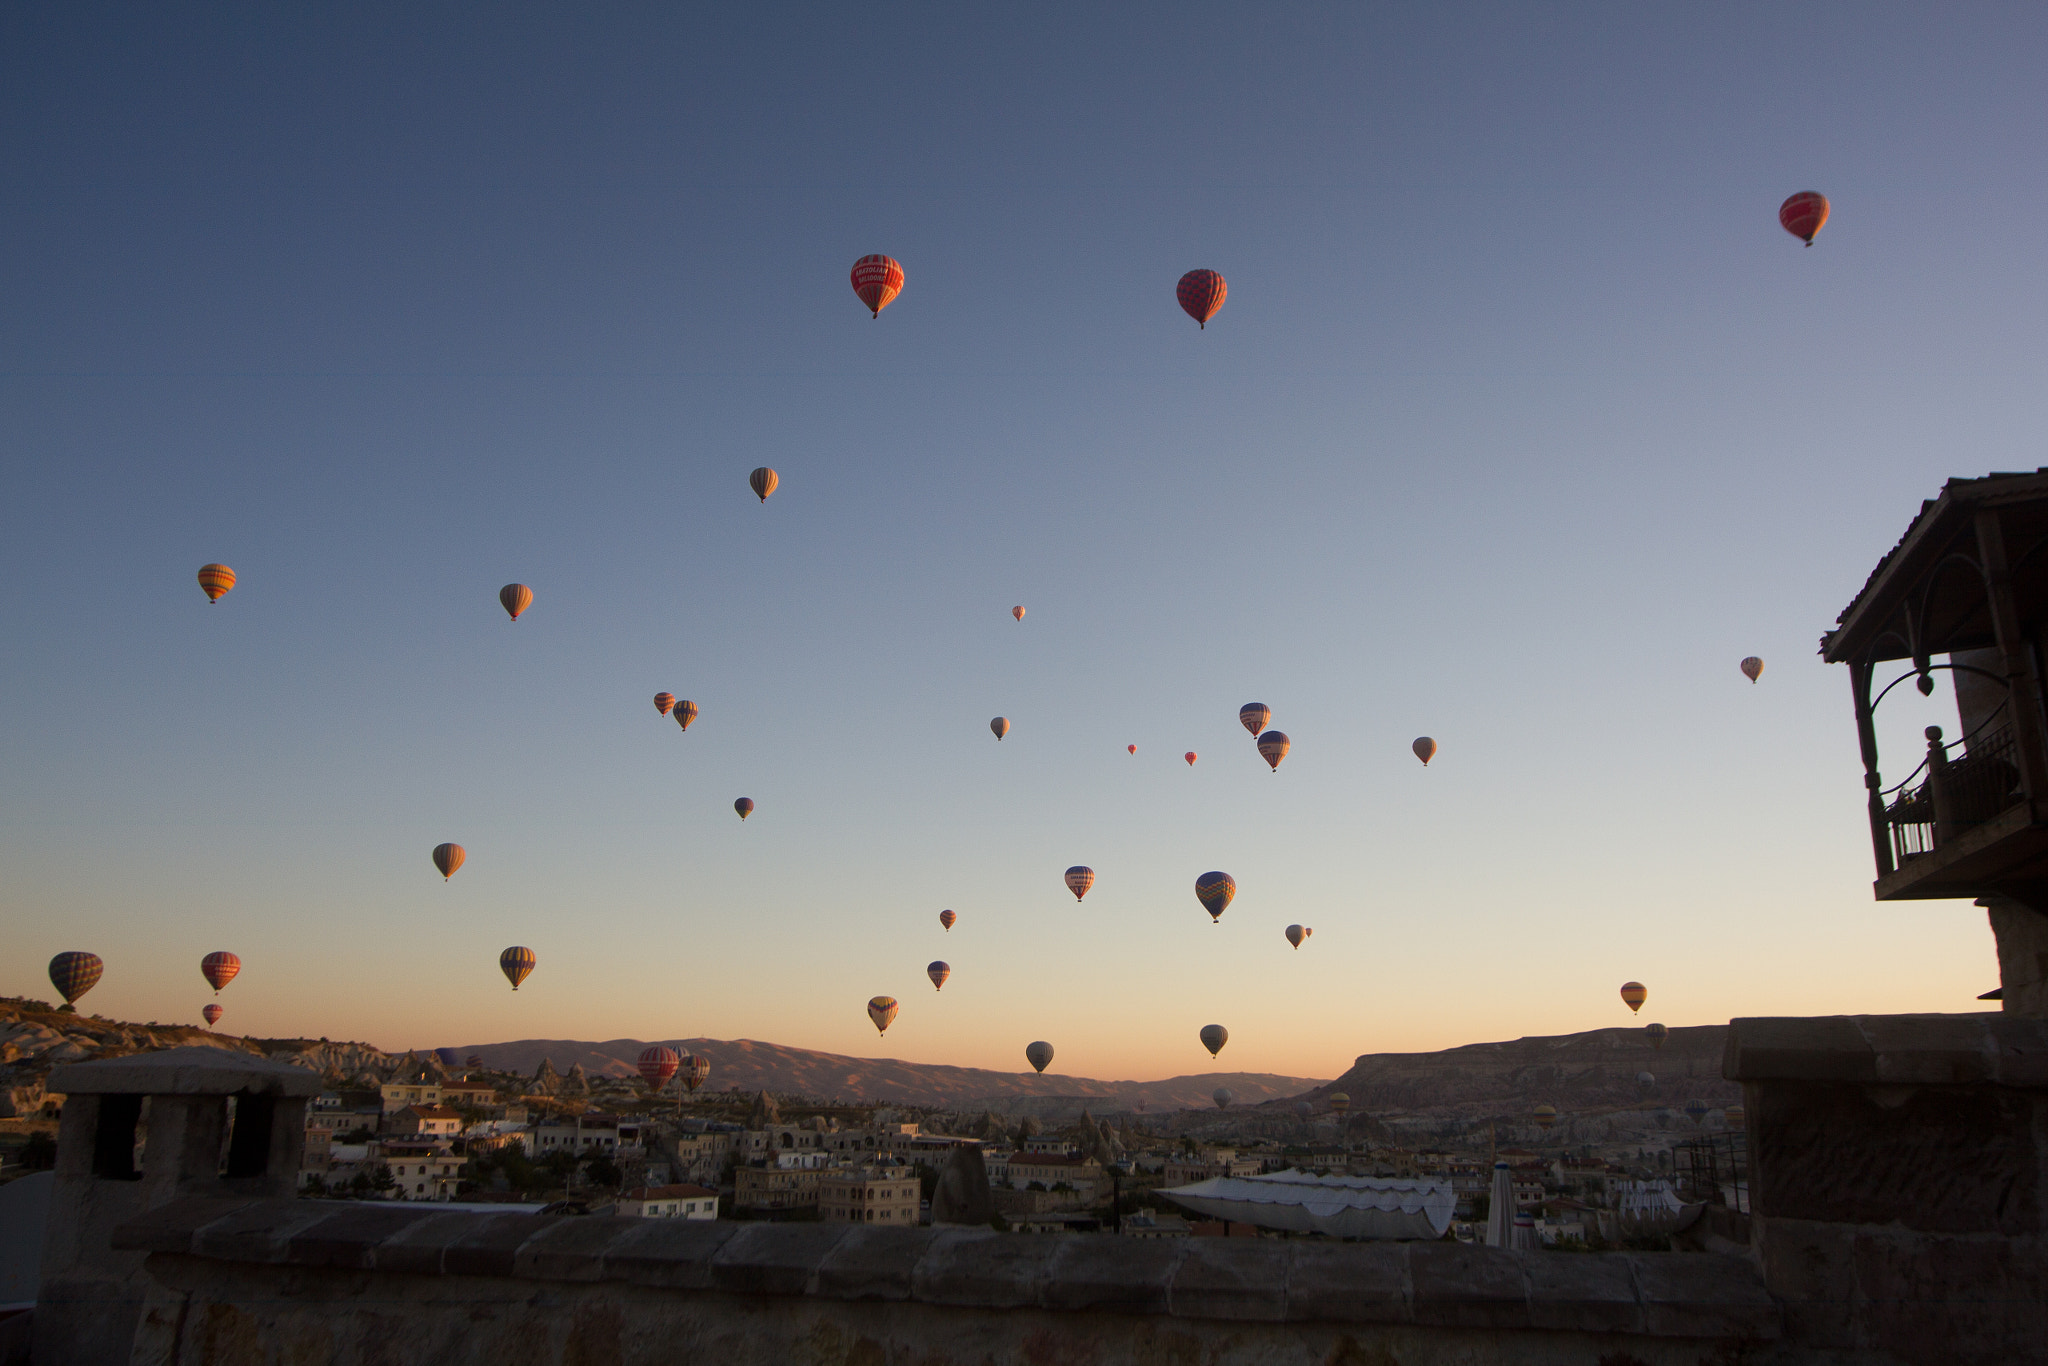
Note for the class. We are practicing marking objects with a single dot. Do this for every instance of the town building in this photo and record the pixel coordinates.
(399, 1094)
(870, 1195)
(480, 1094)
(774, 1188)
(1203, 1166)
(669, 1202)
(586, 1135)
(434, 1121)
(1083, 1176)
(421, 1171)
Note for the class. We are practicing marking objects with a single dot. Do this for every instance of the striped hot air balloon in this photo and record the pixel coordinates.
(74, 972)
(211, 1012)
(657, 1064)
(1079, 879)
(1804, 214)
(1546, 1115)
(745, 806)
(1273, 747)
(515, 598)
(1214, 1037)
(448, 858)
(877, 280)
(517, 964)
(663, 701)
(763, 482)
(882, 1010)
(1254, 717)
(1339, 1102)
(219, 969)
(938, 972)
(685, 712)
(1000, 726)
(215, 580)
(1696, 1110)
(946, 918)
(1039, 1054)
(1214, 891)
(1634, 994)
(696, 1071)
(1201, 293)
(1658, 1033)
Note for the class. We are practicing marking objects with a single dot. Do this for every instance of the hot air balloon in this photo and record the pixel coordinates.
(1339, 1102)
(938, 972)
(745, 806)
(1696, 1109)
(1132, 748)
(1297, 933)
(1001, 726)
(1425, 749)
(212, 1011)
(475, 1061)
(696, 1071)
(663, 701)
(882, 1010)
(946, 918)
(1302, 1109)
(1804, 214)
(684, 712)
(1646, 1080)
(448, 858)
(1214, 891)
(1634, 994)
(1253, 716)
(515, 598)
(1546, 1115)
(1273, 747)
(446, 1055)
(1222, 1096)
(517, 964)
(1752, 668)
(215, 580)
(1038, 1054)
(1079, 880)
(763, 481)
(1214, 1037)
(657, 1064)
(1201, 293)
(1658, 1033)
(1017, 612)
(219, 969)
(878, 280)
(1735, 1117)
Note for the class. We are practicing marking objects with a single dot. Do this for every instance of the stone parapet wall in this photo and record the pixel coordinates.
(283, 1282)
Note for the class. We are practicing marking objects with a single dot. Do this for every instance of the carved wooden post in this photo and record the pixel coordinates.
(1945, 827)
(2028, 743)
(1866, 736)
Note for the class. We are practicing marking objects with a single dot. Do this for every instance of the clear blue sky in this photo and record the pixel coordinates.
(1524, 422)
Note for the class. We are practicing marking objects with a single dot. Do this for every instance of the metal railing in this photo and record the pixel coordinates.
(1713, 1169)
(1958, 794)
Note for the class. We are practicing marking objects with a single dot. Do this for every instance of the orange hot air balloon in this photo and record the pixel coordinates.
(745, 806)
(214, 580)
(938, 972)
(515, 598)
(1273, 747)
(946, 919)
(75, 972)
(685, 711)
(1254, 717)
(1079, 880)
(1001, 726)
(1201, 293)
(1634, 994)
(1297, 933)
(877, 280)
(663, 701)
(517, 964)
(882, 1010)
(1804, 214)
(449, 857)
(212, 1011)
(219, 969)
(1191, 756)
(1425, 749)
(763, 482)
(1017, 612)
(1752, 668)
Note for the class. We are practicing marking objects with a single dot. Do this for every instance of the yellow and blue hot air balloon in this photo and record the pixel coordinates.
(882, 1010)
(1214, 891)
(938, 972)
(517, 963)
(1273, 747)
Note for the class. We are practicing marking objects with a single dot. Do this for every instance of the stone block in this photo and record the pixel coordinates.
(1704, 1295)
(1936, 1050)
(171, 1227)
(1818, 1048)
(418, 1247)
(348, 1237)
(572, 1250)
(1123, 1275)
(490, 1246)
(1810, 1270)
(1350, 1283)
(1930, 1298)
(2021, 1045)
(1231, 1278)
(774, 1259)
(189, 1071)
(1584, 1293)
(985, 1270)
(874, 1263)
(675, 1254)
(261, 1232)
(1456, 1286)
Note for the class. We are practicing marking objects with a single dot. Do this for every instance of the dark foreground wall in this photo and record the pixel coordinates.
(288, 1282)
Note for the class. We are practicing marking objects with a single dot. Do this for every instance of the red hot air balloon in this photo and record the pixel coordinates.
(946, 918)
(658, 1064)
(663, 701)
(1191, 756)
(212, 1011)
(215, 580)
(685, 712)
(877, 280)
(517, 964)
(1804, 214)
(1201, 293)
(763, 482)
(515, 598)
(938, 972)
(1079, 880)
(1017, 612)
(745, 806)
(448, 858)
(1132, 748)
(1752, 668)
(219, 969)
(1273, 747)
(74, 972)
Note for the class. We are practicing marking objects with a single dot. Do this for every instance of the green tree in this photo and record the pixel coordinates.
(559, 1167)
(602, 1171)
(381, 1179)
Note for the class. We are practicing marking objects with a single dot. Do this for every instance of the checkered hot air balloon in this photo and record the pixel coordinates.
(212, 1011)
(1273, 747)
(1214, 891)
(515, 598)
(657, 1064)
(1079, 879)
(215, 580)
(219, 969)
(1804, 214)
(1038, 1054)
(877, 280)
(882, 1010)
(664, 701)
(517, 964)
(1633, 994)
(1201, 293)
(74, 972)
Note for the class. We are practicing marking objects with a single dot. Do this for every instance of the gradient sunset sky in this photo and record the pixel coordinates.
(1523, 424)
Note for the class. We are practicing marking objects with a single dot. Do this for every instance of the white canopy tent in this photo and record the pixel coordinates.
(1340, 1206)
